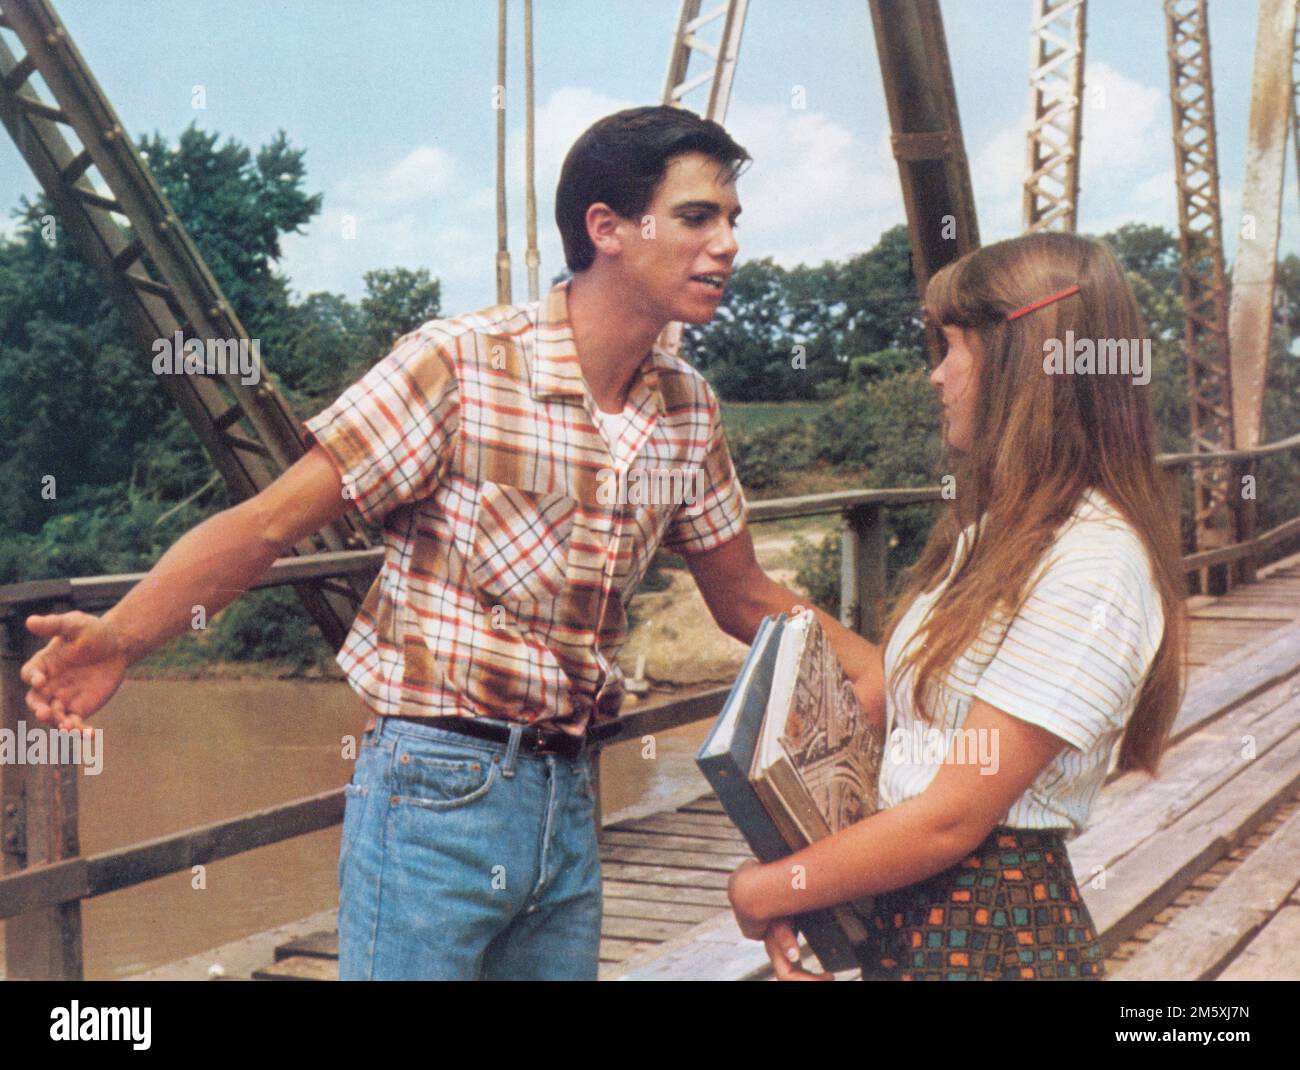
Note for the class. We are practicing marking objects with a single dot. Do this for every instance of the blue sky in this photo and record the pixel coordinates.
(393, 107)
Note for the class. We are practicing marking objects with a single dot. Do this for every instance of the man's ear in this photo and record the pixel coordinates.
(604, 228)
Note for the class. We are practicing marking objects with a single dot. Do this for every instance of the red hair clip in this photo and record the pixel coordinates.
(1039, 304)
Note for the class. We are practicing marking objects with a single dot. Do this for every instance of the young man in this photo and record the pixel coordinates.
(500, 450)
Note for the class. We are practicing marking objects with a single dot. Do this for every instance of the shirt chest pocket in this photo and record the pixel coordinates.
(522, 542)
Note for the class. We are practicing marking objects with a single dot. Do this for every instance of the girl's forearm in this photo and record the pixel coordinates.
(891, 849)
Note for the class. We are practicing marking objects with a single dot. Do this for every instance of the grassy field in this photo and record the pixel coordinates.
(751, 415)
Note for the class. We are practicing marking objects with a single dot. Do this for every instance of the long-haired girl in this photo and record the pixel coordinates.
(1042, 628)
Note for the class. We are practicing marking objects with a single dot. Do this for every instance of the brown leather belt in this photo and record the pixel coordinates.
(532, 740)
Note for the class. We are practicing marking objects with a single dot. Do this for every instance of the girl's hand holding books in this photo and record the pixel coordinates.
(777, 934)
(783, 949)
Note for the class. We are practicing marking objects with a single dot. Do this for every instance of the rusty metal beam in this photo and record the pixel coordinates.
(926, 133)
(722, 52)
(1051, 194)
(1204, 279)
(1250, 317)
(153, 270)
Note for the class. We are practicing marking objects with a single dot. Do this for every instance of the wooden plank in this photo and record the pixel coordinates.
(1267, 662)
(1228, 625)
(323, 944)
(674, 825)
(658, 911)
(613, 950)
(706, 804)
(623, 928)
(666, 893)
(1280, 593)
(712, 951)
(664, 841)
(678, 859)
(1200, 941)
(38, 803)
(299, 968)
(1277, 613)
(1246, 611)
(1122, 786)
(1272, 955)
(1190, 773)
(1208, 649)
(1144, 881)
(679, 822)
(664, 875)
(239, 958)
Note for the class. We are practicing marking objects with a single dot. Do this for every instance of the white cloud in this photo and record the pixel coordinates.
(1125, 164)
(997, 176)
(425, 172)
(564, 115)
(815, 191)
(1125, 126)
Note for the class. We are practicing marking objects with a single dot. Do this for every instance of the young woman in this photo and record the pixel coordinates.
(1042, 628)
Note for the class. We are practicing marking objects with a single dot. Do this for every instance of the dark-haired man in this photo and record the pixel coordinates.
(487, 648)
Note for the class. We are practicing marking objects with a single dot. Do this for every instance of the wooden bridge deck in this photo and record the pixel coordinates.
(1192, 875)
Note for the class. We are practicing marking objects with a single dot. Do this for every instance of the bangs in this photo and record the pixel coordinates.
(950, 300)
(937, 305)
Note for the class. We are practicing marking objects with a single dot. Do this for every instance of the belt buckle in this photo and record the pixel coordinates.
(557, 742)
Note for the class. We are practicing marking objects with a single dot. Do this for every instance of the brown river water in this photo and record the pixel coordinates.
(176, 754)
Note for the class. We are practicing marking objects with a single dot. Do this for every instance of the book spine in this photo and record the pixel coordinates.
(742, 804)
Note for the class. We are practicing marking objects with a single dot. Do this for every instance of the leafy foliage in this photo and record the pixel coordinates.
(103, 470)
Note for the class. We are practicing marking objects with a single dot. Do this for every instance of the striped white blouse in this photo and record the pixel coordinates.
(1072, 660)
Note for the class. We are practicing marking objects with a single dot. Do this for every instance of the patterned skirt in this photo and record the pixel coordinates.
(1009, 911)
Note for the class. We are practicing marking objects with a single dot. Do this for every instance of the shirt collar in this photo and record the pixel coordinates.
(556, 370)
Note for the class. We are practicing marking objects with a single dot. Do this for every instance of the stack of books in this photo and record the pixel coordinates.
(793, 759)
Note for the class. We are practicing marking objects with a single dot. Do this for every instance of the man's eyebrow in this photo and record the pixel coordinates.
(712, 206)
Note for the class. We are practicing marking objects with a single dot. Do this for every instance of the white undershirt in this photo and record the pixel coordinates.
(613, 427)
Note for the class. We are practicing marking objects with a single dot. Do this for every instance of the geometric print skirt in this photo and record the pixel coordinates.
(1009, 911)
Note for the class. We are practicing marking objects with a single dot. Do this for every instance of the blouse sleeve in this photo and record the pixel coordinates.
(1074, 658)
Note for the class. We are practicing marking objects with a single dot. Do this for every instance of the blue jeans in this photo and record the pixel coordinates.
(465, 859)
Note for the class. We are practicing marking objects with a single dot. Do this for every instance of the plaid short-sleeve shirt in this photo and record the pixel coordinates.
(512, 537)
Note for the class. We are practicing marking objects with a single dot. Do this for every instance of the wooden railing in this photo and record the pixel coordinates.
(45, 876)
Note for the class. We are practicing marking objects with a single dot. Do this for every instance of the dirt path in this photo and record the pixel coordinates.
(682, 645)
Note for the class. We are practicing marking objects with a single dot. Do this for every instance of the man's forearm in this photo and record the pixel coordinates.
(856, 654)
(860, 658)
(209, 566)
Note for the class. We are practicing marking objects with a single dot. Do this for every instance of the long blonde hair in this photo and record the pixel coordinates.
(1040, 442)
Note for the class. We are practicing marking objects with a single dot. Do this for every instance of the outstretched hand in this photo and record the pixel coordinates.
(76, 672)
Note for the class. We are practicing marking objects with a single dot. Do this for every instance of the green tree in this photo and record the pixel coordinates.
(78, 401)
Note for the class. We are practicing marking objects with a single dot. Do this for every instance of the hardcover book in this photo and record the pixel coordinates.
(793, 759)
